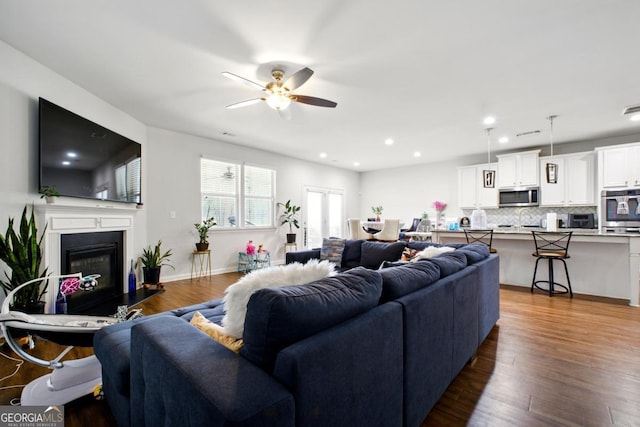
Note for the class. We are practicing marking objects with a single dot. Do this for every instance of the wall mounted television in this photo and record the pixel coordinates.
(83, 159)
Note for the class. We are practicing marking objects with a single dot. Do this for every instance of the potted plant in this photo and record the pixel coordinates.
(377, 210)
(49, 193)
(203, 229)
(152, 260)
(289, 216)
(21, 253)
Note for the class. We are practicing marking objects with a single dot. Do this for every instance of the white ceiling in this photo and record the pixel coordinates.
(424, 73)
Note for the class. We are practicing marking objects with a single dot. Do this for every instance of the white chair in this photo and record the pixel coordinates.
(390, 231)
(355, 230)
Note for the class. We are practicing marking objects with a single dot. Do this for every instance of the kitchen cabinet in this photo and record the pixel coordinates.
(518, 169)
(575, 181)
(620, 167)
(471, 190)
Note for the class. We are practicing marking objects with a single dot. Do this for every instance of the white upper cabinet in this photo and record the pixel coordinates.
(620, 167)
(575, 180)
(518, 169)
(472, 192)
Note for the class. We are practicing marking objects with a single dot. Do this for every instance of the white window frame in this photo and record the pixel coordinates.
(240, 196)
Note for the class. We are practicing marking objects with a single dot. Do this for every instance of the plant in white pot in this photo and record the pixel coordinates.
(49, 193)
(203, 230)
(289, 216)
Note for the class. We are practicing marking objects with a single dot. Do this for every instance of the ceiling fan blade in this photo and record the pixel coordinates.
(285, 113)
(298, 78)
(312, 100)
(244, 81)
(244, 103)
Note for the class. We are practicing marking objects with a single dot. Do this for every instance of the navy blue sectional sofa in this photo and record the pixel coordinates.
(365, 347)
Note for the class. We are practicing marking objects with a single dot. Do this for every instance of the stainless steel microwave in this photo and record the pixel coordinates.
(526, 196)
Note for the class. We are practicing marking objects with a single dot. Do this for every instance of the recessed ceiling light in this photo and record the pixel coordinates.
(388, 141)
(635, 118)
(489, 120)
(323, 155)
(417, 154)
(356, 164)
(66, 162)
(503, 140)
(72, 154)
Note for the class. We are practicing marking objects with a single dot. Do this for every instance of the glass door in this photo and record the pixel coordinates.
(323, 215)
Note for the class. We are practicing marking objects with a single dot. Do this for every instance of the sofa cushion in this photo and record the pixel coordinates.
(374, 253)
(237, 295)
(279, 317)
(404, 279)
(449, 262)
(352, 253)
(332, 250)
(474, 252)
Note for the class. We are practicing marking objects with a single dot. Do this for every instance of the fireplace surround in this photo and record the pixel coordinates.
(91, 225)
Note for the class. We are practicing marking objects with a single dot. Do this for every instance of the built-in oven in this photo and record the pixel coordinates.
(620, 210)
(514, 197)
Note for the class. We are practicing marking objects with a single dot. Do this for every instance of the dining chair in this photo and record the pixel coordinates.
(355, 230)
(390, 231)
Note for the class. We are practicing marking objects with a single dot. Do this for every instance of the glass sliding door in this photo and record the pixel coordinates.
(324, 215)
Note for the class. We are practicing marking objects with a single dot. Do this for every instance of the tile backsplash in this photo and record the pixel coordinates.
(530, 215)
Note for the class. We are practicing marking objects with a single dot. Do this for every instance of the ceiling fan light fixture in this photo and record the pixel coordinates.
(278, 101)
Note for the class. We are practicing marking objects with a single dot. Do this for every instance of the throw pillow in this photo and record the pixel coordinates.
(431, 251)
(332, 250)
(216, 332)
(374, 253)
(237, 295)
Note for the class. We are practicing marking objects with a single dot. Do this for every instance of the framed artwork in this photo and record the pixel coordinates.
(552, 173)
(489, 178)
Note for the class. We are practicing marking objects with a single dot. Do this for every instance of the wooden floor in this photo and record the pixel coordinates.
(550, 361)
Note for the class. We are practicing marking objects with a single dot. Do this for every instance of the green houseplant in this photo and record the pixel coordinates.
(152, 259)
(289, 216)
(21, 252)
(202, 229)
(377, 210)
(49, 193)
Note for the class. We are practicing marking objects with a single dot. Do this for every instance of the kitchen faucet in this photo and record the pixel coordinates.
(519, 227)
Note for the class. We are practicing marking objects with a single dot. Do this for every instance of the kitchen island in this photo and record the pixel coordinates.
(601, 264)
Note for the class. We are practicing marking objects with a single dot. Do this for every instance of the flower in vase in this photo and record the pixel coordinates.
(439, 206)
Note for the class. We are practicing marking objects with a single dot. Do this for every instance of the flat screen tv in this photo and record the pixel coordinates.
(83, 159)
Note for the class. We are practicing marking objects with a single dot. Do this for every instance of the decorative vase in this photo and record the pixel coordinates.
(377, 218)
(442, 220)
(201, 247)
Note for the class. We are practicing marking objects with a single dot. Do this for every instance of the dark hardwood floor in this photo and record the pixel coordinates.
(550, 361)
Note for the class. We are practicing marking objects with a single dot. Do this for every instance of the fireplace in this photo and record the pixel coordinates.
(94, 253)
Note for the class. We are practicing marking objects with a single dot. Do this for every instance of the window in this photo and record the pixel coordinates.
(237, 195)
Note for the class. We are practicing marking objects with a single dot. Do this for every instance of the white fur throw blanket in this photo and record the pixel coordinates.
(237, 295)
(431, 251)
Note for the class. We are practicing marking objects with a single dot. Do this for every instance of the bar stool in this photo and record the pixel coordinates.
(484, 237)
(552, 246)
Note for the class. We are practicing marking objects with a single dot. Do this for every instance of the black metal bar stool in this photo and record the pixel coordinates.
(484, 237)
(552, 246)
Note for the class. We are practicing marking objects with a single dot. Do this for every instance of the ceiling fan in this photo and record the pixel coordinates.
(278, 93)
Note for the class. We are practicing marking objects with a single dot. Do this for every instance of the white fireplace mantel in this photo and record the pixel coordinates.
(69, 219)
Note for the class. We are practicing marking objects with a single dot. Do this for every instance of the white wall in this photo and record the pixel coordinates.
(22, 81)
(173, 171)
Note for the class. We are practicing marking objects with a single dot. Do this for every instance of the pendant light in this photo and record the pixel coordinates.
(551, 168)
(488, 176)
